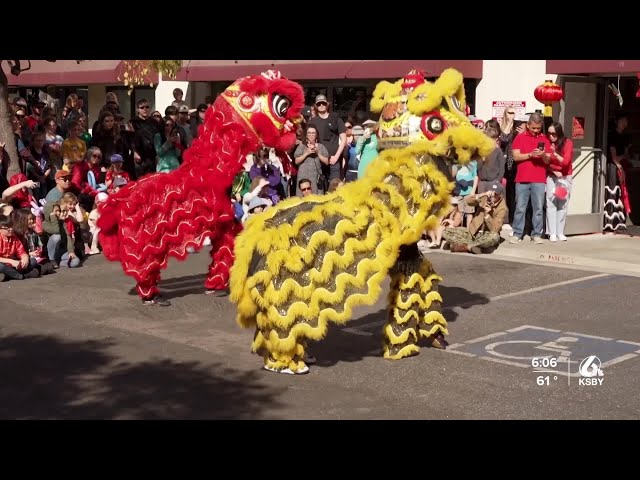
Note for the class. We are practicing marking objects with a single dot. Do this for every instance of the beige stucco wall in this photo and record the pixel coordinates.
(512, 80)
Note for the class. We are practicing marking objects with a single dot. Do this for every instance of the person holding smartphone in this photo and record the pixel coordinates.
(531, 151)
(310, 157)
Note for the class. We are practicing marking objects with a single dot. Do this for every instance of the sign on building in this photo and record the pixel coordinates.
(498, 107)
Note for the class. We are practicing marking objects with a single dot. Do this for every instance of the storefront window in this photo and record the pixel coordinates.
(352, 103)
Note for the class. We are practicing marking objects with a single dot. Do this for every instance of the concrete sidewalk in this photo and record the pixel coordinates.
(616, 254)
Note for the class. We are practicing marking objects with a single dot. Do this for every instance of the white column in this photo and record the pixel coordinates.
(509, 80)
(164, 93)
(95, 103)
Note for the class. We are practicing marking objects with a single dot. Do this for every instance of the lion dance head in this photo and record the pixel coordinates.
(413, 110)
(267, 105)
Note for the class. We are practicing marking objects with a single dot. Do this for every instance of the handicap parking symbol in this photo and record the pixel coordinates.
(519, 346)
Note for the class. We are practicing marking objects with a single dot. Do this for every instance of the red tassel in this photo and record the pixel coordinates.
(624, 194)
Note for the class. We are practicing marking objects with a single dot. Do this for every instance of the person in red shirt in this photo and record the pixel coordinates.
(559, 177)
(14, 260)
(36, 114)
(531, 151)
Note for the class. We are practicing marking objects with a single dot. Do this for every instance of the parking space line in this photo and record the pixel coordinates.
(588, 336)
(629, 343)
(628, 356)
(547, 287)
(458, 307)
(531, 327)
(486, 337)
(457, 352)
(506, 362)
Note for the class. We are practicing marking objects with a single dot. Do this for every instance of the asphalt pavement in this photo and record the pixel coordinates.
(79, 344)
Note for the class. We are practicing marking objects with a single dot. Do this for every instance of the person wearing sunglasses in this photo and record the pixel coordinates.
(559, 177)
(144, 128)
(332, 134)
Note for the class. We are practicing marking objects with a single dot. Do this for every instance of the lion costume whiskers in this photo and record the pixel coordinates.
(309, 261)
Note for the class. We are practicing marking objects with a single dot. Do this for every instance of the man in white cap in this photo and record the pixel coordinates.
(332, 134)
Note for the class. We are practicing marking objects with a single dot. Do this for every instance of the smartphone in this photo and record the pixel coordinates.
(541, 146)
(36, 184)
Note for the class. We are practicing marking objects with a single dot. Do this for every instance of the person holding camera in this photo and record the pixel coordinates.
(483, 231)
(168, 146)
(531, 151)
(367, 146)
(309, 157)
(262, 167)
(116, 177)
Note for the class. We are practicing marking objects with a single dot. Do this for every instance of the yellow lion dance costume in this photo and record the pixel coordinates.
(306, 262)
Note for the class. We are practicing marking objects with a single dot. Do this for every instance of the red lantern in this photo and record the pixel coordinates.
(548, 93)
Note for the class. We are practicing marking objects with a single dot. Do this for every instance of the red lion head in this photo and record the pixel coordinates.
(268, 105)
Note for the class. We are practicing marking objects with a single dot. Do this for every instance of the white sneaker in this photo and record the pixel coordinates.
(538, 240)
(553, 238)
(562, 238)
(514, 239)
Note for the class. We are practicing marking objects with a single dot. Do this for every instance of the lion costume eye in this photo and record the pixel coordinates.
(280, 105)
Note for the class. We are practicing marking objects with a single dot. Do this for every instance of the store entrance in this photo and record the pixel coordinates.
(628, 86)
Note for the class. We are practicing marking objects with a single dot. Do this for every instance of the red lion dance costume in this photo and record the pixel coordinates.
(163, 214)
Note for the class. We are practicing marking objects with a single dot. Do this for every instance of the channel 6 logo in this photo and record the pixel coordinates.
(590, 371)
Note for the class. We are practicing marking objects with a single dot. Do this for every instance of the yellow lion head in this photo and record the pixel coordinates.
(413, 110)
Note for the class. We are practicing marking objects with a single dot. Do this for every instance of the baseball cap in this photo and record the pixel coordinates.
(492, 186)
(183, 109)
(321, 98)
(357, 130)
(62, 174)
(257, 202)
(116, 158)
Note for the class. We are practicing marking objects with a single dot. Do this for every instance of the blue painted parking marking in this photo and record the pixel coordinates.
(519, 346)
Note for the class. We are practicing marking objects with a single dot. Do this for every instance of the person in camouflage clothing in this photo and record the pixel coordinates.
(483, 232)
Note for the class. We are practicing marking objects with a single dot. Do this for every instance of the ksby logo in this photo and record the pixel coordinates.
(590, 371)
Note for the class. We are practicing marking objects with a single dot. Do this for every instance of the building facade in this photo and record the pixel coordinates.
(587, 111)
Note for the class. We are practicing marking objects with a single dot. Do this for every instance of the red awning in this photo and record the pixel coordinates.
(229, 70)
(577, 67)
(69, 72)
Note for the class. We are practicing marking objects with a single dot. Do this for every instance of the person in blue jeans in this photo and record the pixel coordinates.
(531, 151)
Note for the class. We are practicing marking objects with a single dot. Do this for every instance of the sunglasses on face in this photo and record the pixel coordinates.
(511, 113)
(348, 126)
(144, 107)
(552, 134)
(305, 189)
(321, 103)
(65, 179)
(6, 228)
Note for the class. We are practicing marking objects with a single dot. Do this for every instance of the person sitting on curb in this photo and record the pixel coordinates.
(483, 231)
